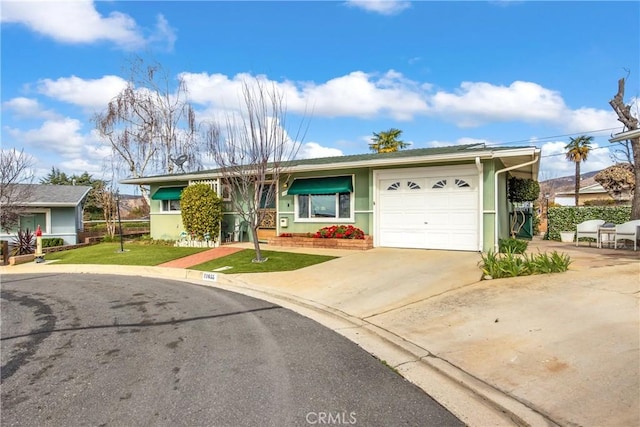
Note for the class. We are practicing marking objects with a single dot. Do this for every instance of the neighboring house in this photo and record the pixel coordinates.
(589, 193)
(57, 209)
(452, 198)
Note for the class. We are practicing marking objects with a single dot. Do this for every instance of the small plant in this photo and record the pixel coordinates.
(516, 246)
(23, 243)
(511, 264)
(339, 232)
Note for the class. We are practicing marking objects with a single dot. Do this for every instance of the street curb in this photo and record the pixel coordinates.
(472, 400)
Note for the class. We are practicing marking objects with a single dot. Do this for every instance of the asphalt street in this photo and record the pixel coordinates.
(110, 350)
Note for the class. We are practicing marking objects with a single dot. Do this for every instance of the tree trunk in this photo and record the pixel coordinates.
(635, 204)
(256, 245)
(577, 182)
(625, 117)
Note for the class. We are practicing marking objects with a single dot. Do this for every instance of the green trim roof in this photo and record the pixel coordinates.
(167, 193)
(469, 149)
(328, 185)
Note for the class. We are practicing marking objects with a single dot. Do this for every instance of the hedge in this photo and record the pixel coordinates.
(566, 218)
(50, 242)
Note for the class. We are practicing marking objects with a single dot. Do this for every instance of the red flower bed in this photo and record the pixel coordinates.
(339, 232)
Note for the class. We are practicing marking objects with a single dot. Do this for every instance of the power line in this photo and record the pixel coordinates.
(552, 137)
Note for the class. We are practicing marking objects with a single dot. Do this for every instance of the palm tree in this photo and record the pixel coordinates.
(577, 152)
(387, 141)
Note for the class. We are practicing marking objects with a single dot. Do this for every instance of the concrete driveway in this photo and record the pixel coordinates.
(552, 349)
(560, 349)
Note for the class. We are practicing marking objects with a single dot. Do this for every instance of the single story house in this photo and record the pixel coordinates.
(451, 198)
(588, 193)
(57, 209)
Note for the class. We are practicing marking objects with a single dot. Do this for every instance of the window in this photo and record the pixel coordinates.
(31, 221)
(323, 199)
(170, 205)
(268, 197)
(324, 206)
(394, 186)
(169, 198)
(440, 184)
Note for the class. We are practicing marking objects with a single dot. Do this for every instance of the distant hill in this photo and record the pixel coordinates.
(133, 207)
(566, 183)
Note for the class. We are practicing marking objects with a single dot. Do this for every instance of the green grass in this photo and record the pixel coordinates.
(107, 253)
(241, 262)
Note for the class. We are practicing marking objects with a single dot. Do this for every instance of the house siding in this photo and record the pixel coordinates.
(169, 225)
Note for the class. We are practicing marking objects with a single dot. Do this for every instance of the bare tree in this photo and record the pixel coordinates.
(253, 152)
(149, 126)
(626, 117)
(16, 176)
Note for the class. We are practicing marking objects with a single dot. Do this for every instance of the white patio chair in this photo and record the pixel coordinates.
(588, 229)
(628, 231)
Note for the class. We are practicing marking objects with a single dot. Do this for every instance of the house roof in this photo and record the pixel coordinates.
(510, 156)
(55, 195)
(588, 189)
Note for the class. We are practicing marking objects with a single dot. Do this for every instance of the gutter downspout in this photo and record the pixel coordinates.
(480, 205)
(495, 195)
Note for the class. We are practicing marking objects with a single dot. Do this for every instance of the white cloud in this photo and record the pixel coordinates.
(553, 163)
(383, 7)
(312, 150)
(590, 119)
(478, 103)
(78, 22)
(62, 137)
(92, 94)
(28, 108)
(357, 94)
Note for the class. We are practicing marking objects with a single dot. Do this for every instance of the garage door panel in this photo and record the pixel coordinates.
(401, 220)
(417, 208)
(464, 202)
(403, 239)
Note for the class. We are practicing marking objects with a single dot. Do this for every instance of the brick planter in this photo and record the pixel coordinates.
(310, 242)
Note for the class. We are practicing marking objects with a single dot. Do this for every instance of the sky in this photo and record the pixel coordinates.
(503, 73)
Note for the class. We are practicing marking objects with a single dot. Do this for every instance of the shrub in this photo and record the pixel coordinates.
(24, 243)
(49, 242)
(146, 240)
(516, 246)
(510, 264)
(201, 211)
(339, 232)
(523, 190)
(566, 218)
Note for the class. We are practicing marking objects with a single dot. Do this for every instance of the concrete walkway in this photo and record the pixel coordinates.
(201, 257)
(560, 349)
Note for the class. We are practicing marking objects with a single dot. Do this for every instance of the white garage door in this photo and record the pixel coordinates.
(428, 208)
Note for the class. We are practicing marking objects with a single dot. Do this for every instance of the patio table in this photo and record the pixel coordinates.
(606, 235)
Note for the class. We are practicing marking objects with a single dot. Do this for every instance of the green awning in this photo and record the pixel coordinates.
(167, 193)
(330, 185)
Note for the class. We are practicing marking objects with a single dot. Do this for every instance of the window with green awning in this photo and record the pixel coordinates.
(329, 185)
(167, 193)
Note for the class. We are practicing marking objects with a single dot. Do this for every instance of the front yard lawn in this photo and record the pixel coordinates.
(278, 261)
(107, 253)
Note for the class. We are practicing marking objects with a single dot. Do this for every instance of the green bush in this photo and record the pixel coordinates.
(510, 264)
(201, 210)
(523, 190)
(49, 242)
(566, 218)
(516, 246)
